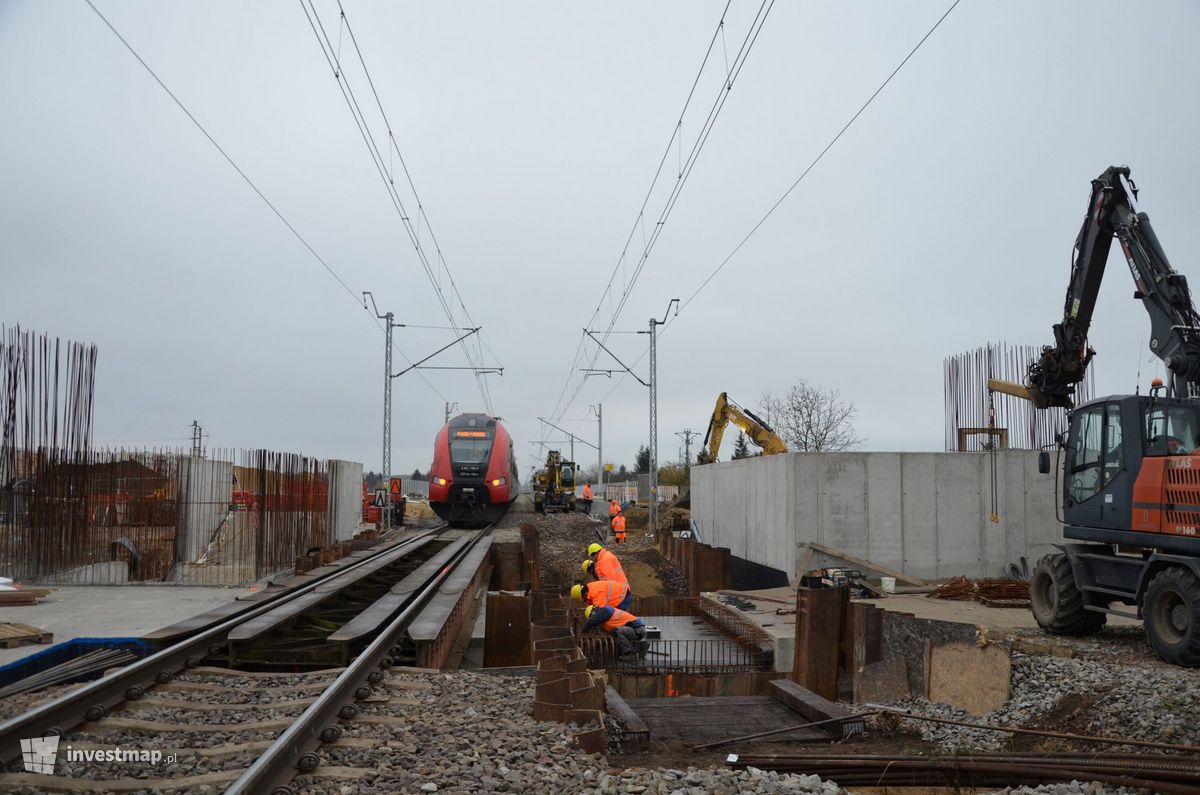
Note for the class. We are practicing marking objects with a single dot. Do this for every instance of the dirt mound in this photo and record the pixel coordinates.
(670, 518)
(564, 541)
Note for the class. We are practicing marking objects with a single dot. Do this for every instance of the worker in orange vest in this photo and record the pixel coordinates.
(604, 565)
(626, 629)
(618, 527)
(587, 498)
(614, 508)
(602, 593)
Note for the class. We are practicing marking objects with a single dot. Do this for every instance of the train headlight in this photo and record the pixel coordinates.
(440, 481)
(499, 482)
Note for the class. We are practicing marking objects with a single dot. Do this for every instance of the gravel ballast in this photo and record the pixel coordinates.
(475, 733)
(1080, 697)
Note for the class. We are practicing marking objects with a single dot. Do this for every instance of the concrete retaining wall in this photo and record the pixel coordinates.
(345, 498)
(927, 514)
(206, 490)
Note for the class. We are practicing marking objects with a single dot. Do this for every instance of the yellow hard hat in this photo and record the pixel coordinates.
(587, 611)
(594, 548)
(577, 593)
(587, 566)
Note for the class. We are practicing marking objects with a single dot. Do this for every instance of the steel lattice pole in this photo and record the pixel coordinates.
(387, 422)
(653, 527)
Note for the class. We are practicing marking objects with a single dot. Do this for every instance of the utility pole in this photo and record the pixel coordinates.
(598, 410)
(449, 408)
(197, 440)
(654, 324)
(688, 434)
(388, 324)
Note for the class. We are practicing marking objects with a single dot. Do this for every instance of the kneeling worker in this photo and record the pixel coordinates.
(626, 629)
(603, 593)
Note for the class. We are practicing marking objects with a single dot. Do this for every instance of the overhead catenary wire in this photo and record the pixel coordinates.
(386, 173)
(245, 177)
(796, 183)
(686, 166)
(819, 157)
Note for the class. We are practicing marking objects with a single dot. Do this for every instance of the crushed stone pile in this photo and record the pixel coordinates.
(1080, 697)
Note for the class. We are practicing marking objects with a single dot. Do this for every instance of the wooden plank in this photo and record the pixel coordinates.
(12, 635)
(866, 564)
(619, 709)
(809, 705)
(805, 562)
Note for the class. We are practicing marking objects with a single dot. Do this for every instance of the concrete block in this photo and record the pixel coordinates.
(971, 677)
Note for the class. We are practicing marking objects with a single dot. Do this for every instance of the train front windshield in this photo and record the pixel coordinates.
(470, 450)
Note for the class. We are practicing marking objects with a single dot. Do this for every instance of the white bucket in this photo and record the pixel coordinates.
(887, 584)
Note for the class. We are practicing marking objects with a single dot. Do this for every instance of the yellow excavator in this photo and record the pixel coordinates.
(753, 426)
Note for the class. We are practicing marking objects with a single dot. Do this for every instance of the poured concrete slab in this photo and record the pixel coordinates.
(112, 611)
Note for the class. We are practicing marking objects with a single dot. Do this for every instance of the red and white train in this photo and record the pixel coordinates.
(473, 478)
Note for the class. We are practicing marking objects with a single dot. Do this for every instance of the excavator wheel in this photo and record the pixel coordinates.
(1171, 615)
(1056, 601)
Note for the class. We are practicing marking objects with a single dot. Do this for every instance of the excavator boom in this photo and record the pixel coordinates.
(725, 412)
(1174, 325)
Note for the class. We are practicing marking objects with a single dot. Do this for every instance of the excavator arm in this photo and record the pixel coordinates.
(725, 412)
(1174, 325)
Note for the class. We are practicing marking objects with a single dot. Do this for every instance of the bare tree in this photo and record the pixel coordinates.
(811, 419)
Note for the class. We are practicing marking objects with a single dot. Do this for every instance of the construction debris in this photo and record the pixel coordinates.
(989, 592)
(959, 589)
(1003, 593)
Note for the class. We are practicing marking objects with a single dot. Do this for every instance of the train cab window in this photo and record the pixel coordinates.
(1171, 429)
(1083, 459)
(1112, 441)
(470, 451)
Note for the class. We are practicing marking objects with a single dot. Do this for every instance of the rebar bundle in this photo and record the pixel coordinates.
(46, 395)
(970, 423)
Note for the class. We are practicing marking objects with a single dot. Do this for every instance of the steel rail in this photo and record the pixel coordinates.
(95, 700)
(294, 751)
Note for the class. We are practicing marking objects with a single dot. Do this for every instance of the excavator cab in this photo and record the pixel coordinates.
(1129, 467)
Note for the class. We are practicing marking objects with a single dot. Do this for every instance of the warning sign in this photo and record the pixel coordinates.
(396, 487)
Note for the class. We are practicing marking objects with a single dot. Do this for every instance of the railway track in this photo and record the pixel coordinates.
(245, 703)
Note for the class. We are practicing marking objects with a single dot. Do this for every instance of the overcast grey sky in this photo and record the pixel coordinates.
(943, 219)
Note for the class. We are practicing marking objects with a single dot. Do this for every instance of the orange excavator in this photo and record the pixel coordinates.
(1130, 464)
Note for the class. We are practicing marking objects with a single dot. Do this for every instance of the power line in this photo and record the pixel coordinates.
(685, 170)
(675, 131)
(817, 159)
(788, 192)
(239, 170)
(386, 171)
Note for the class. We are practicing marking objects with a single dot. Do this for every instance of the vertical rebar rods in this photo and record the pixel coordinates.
(967, 400)
(46, 396)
